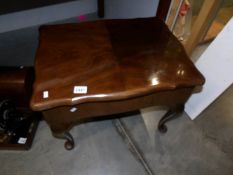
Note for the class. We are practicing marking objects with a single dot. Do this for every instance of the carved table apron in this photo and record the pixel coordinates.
(124, 65)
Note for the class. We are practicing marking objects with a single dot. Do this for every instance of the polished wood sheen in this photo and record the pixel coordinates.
(126, 64)
(115, 59)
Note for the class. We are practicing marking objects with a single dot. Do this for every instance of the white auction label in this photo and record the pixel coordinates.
(73, 109)
(22, 140)
(45, 94)
(80, 89)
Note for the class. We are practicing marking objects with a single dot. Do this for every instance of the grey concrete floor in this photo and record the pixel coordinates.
(184, 149)
(216, 122)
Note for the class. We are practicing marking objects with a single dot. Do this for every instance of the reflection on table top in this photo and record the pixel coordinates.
(111, 60)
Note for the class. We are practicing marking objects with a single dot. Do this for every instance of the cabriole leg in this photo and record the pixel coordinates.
(170, 115)
(69, 144)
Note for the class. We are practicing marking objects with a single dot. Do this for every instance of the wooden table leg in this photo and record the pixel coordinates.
(171, 114)
(163, 9)
(69, 144)
(100, 5)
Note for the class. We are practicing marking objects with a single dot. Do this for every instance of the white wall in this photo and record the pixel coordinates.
(130, 8)
(216, 64)
(19, 31)
(38, 16)
(113, 9)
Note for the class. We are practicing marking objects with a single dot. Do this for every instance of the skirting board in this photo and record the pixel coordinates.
(216, 64)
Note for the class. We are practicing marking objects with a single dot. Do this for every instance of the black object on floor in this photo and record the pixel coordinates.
(17, 126)
(18, 123)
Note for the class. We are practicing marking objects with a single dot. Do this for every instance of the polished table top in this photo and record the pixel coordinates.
(113, 59)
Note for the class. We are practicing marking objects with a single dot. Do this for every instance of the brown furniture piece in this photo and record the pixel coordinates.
(105, 67)
(15, 84)
(100, 11)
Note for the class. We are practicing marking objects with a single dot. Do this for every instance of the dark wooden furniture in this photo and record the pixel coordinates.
(163, 9)
(125, 64)
(15, 84)
(101, 9)
(12, 142)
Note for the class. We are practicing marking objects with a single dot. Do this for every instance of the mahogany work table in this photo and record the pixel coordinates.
(105, 67)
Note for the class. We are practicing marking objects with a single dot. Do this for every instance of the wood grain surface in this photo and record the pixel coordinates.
(115, 59)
